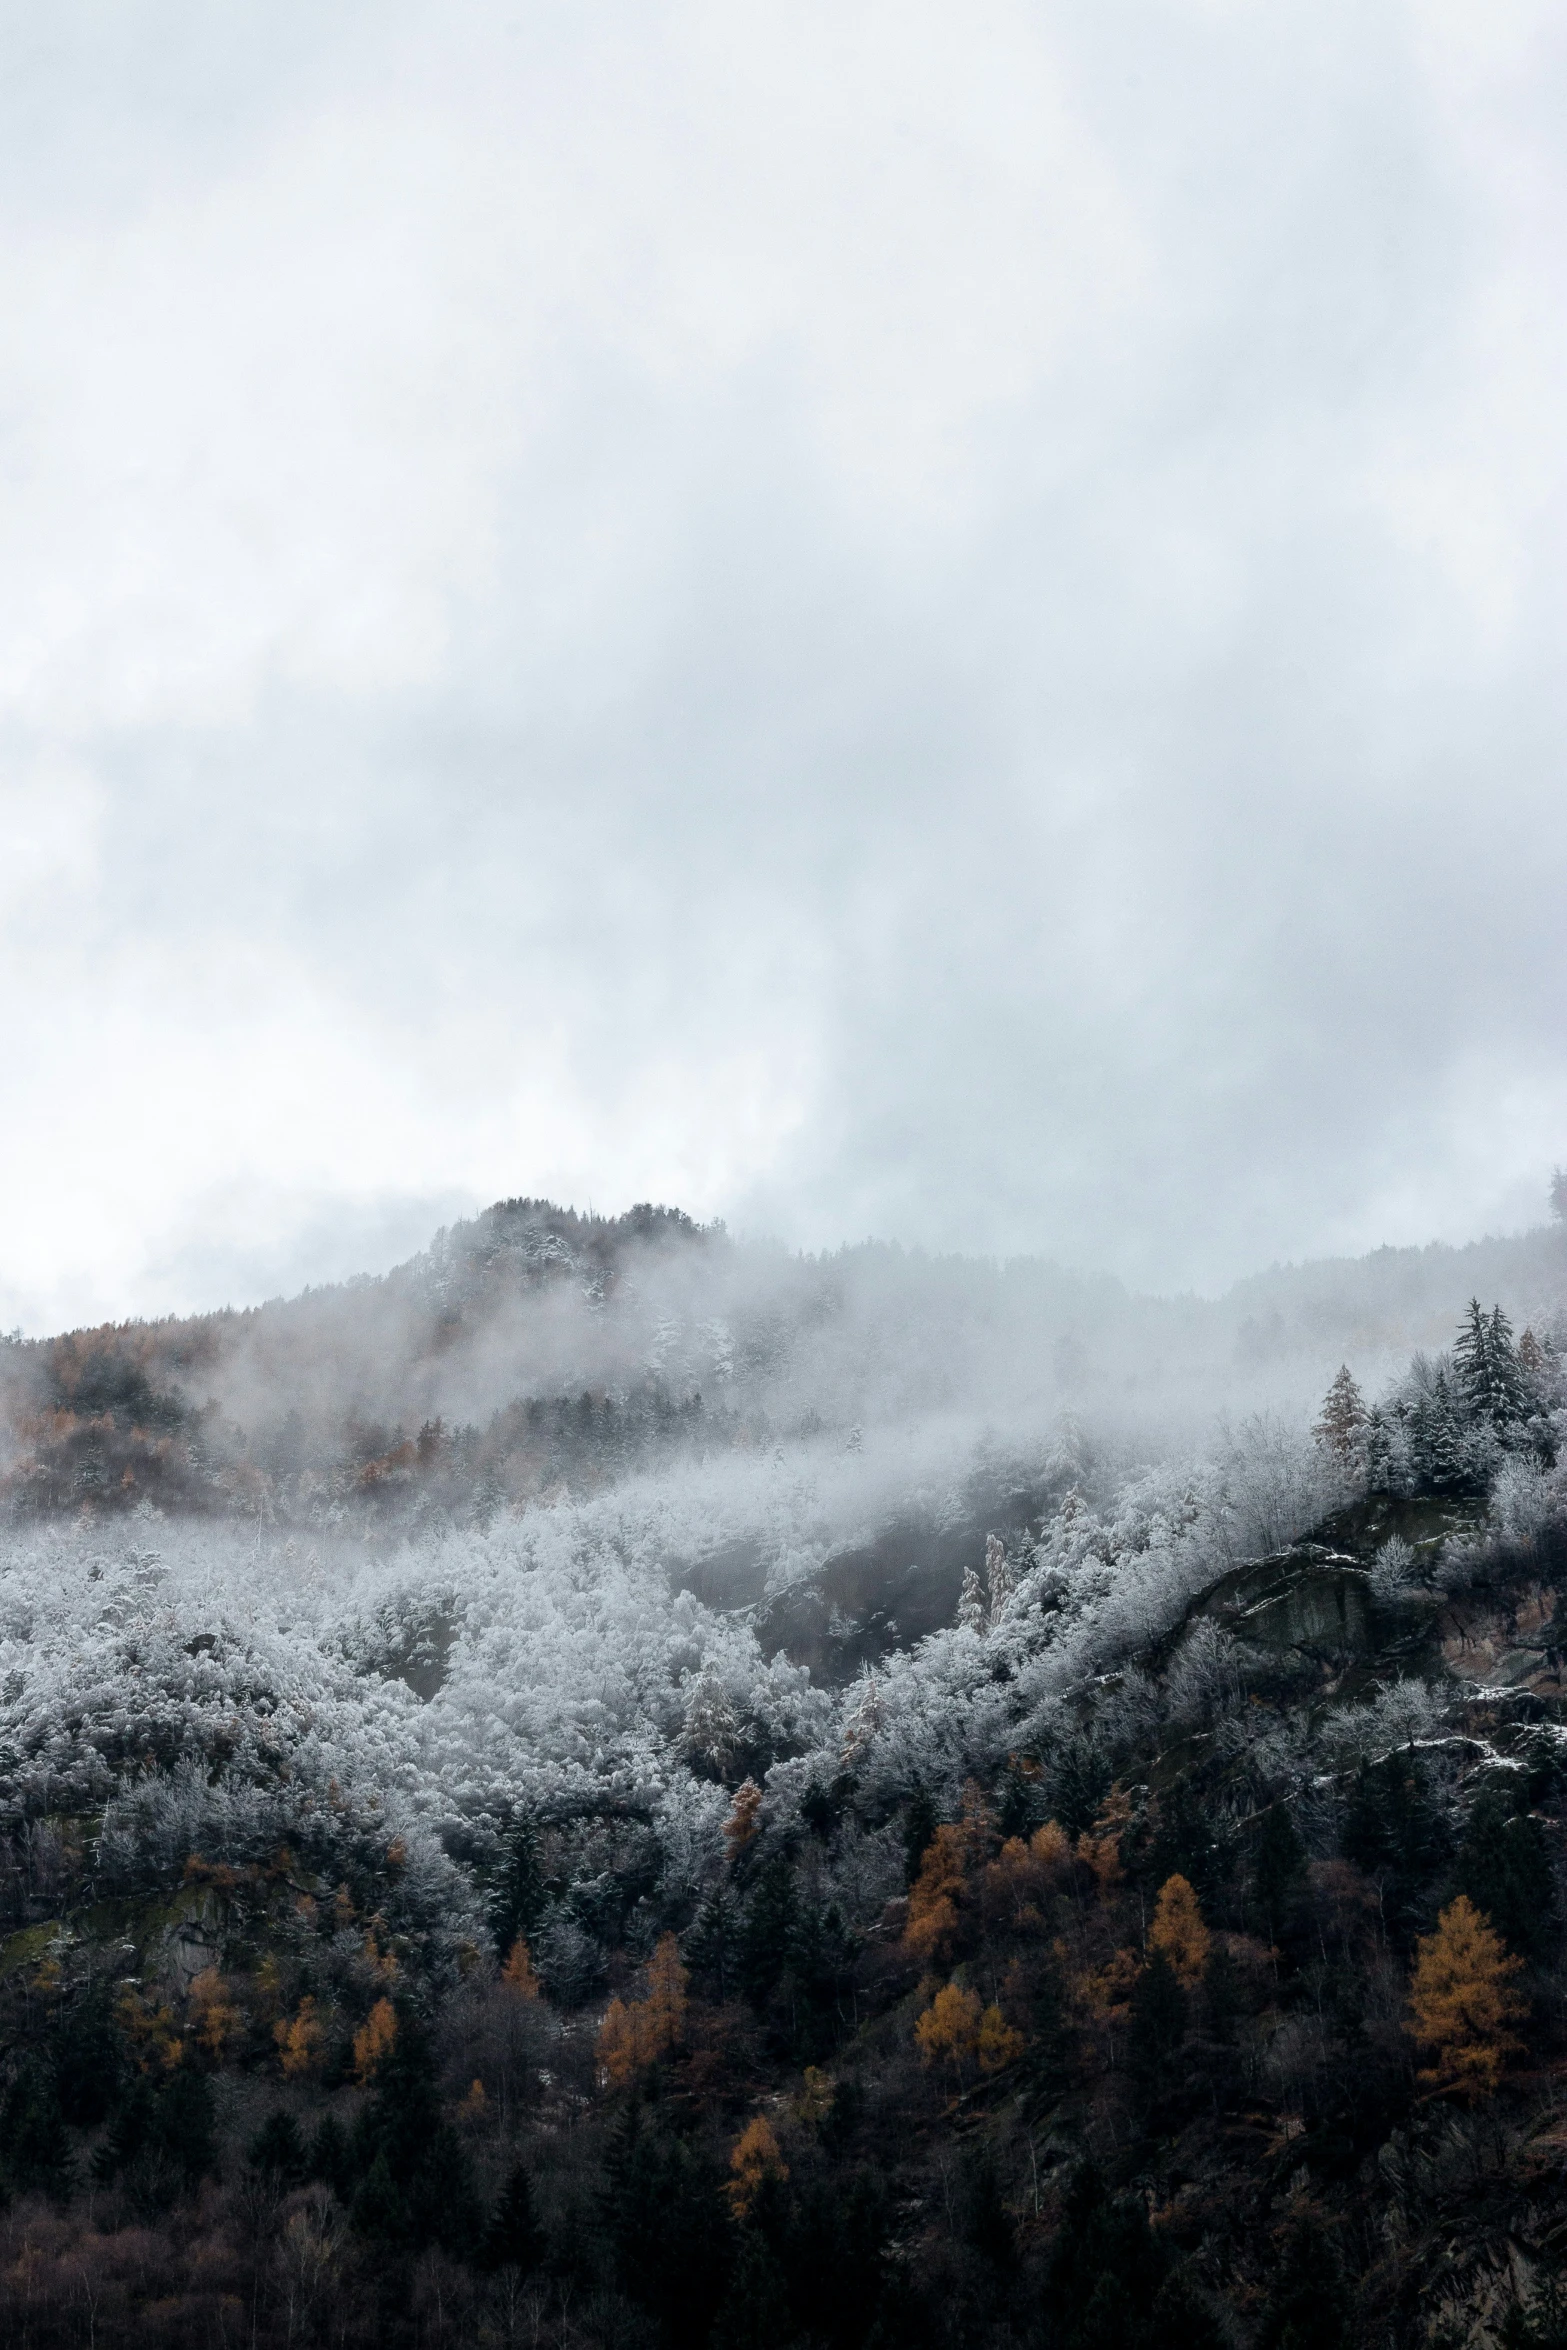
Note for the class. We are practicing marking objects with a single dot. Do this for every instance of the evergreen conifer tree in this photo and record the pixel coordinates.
(520, 1894)
(1487, 1363)
(1341, 1428)
(1159, 2015)
(35, 2152)
(919, 1826)
(277, 2151)
(1504, 1865)
(1307, 2307)
(380, 2209)
(514, 2238)
(331, 2158)
(1279, 1871)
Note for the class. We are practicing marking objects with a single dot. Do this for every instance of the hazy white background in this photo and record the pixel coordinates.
(941, 621)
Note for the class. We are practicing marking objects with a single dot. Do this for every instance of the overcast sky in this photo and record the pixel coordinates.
(932, 621)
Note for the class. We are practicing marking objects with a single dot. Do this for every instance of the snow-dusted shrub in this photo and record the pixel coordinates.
(1522, 1502)
(1393, 1573)
(1206, 1674)
(1404, 1714)
(570, 1961)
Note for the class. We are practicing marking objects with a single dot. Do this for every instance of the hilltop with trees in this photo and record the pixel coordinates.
(484, 1936)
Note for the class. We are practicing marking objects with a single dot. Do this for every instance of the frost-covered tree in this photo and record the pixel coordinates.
(1341, 1425)
(1486, 1361)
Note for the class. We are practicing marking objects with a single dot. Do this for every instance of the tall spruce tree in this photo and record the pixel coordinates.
(514, 2238)
(1341, 1427)
(1489, 1376)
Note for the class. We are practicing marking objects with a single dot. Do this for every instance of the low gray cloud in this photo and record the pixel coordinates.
(867, 622)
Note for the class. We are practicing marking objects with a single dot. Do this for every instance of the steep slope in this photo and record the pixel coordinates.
(489, 1942)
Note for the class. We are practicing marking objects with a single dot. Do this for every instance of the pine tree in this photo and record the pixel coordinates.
(712, 1944)
(1308, 2307)
(331, 2158)
(1279, 1871)
(1488, 1370)
(1341, 1428)
(1506, 1372)
(187, 2123)
(1462, 2003)
(663, 2213)
(1017, 1798)
(1441, 1432)
(919, 1826)
(1504, 1865)
(1000, 1580)
(1159, 2018)
(277, 2151)
(380, 2208)
(1395, 1829)
(1181, 2318)
(517, 1905)
(768, 1929)
(1472, 1355)
(514, 2238)
(89, 2058)
(35, 2153)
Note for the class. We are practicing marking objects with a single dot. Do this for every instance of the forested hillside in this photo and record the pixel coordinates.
(649, 1910)
(536, 1353)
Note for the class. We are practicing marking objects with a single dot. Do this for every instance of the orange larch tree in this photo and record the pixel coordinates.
(1178, 1931)
(1462, 2003)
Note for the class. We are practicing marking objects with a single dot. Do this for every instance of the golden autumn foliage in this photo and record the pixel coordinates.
(213, 2014)
(1104, 1993)
(1462, 2004)
(381, 1961)
(518, 1975)
(374, 2041)
(301, 2041)
(1101, 1847)
(743, 1823)
(950, 2026)
(940, 1892)
(1178, 1931)
(754, 2159)
(1024, 1873)
(150, 2027)
(665, 2005)
(958, 2026)
(633, 2037)
(935, 1895)
(999, 2044)
(815, 2100)
(618, 2052)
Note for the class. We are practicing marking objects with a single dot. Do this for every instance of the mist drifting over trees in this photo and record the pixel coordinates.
(579, 1789)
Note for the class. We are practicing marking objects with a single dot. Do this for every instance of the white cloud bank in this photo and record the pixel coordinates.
(869, 618)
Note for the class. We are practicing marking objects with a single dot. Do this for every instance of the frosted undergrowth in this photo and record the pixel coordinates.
(201, 1689)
